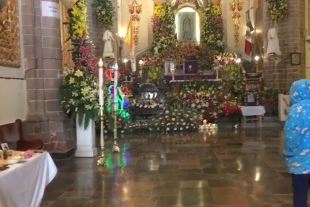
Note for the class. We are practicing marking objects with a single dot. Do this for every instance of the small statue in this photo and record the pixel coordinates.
(204, 125)
(273, 42)
(156, 50)
(108, 47)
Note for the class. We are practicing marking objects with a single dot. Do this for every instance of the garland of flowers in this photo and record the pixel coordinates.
(104, 12)
(79, 92)
(212, 31)
(163, 27)
(277, 9)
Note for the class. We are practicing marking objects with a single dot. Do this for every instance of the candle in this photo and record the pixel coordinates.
(100, 82)
(115, 86)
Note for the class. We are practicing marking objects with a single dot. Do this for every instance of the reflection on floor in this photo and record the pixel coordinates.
(229, 169)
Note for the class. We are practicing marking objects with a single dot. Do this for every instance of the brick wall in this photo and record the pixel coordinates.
(291, 38)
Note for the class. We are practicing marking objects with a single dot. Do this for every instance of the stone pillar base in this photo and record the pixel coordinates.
(55, 131)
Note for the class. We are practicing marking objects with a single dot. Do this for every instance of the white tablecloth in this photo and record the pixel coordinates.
(253, 110)
(23, 184)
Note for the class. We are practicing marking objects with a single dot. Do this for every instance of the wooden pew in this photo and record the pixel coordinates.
(13, 134)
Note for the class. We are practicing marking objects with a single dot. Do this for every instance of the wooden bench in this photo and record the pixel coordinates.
(13, 134)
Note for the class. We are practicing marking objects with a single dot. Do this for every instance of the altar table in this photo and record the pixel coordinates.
(23, 184)
(257, 111)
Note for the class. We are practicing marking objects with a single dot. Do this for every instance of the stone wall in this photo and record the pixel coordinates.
(42, 48)
(291, 38)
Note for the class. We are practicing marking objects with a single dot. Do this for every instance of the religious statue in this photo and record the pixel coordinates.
(187, 28)
(156, 50)
(273, 42)
(108, 47)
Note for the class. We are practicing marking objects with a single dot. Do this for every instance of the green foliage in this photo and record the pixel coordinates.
(104, 12)
(212, 33)
(277, 9)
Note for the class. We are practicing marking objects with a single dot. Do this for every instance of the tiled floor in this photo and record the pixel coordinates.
(230, 169)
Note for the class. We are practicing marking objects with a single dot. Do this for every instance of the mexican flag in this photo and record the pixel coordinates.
(248, 35)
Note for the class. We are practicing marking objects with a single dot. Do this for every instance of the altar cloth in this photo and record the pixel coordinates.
(23, 184)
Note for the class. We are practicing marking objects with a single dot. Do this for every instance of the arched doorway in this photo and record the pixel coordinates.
(187, 22)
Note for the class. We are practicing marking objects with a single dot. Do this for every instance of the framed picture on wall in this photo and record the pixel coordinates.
(168, 65)
(295, 58)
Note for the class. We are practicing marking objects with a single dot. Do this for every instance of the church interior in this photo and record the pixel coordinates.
(153, 103)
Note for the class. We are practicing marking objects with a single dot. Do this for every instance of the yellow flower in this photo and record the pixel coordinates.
(78, 73)
(85, 90)
(75, 11)
(72, 80)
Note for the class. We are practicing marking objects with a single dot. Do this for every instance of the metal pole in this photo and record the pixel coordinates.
(115, 147)
(101, 160)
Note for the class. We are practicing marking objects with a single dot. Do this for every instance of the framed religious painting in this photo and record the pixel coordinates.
(190, 67)
(295, 58)
(251, 98)
(168, 65)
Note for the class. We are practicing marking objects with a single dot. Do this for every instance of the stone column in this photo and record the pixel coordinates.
(291, 38)
(46, 120)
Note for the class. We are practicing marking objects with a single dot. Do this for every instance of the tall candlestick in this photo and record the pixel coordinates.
(101, 160)
(115, 147)
(100, 82)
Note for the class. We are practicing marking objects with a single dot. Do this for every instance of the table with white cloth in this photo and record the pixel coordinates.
(23, 184)
(253, 111)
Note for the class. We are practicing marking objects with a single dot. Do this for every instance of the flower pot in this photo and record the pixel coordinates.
(85, 138)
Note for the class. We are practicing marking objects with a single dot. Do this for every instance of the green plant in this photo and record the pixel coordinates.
(212, 33)
(104, 12)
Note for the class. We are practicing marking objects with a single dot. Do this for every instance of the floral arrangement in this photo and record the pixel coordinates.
(202, 96)
(176, 121)
(155, 74)
(226, 58)
(163, 27)
(79, 92)
(183, 51)
(277, 9)
(145, 103)
(104, 12)
(212, 31)
(269, 98)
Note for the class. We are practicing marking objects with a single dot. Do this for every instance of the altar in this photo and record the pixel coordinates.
(185, 77)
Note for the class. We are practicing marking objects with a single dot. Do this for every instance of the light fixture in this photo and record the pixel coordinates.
(125, 60)
(238, 60)
(256, 58)
(140, 62)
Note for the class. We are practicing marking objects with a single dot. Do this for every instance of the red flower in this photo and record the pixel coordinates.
(126, 72)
